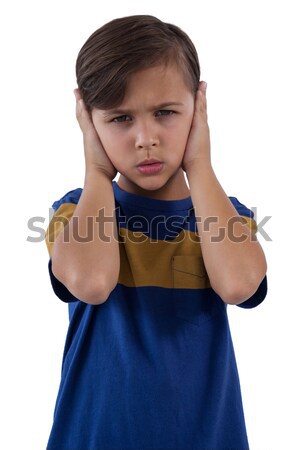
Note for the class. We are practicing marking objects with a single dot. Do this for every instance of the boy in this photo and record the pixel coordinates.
(148, 264)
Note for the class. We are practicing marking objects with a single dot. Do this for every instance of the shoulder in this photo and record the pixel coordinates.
(70, 197)
(63, 210)
(241, 208)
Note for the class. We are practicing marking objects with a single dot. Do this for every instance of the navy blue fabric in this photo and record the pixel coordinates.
(70, 197)
(152, 368)
(60, 289)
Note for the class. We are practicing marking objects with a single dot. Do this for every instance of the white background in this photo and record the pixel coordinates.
(249, 56)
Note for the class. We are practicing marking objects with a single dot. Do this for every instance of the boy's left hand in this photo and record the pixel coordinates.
(198, 143)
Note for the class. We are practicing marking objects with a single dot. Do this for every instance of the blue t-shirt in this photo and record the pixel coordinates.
(154, 366)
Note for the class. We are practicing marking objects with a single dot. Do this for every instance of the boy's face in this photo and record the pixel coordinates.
(146, 129)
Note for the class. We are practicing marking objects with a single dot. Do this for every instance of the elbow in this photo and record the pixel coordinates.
(236, 295)
(238, 292)
(88, 289)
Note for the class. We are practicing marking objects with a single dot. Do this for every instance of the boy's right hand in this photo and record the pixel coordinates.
(95, 155)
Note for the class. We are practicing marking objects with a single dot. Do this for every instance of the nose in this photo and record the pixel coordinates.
(146, 137)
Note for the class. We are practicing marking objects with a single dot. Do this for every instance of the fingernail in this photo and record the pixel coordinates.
(205, 85)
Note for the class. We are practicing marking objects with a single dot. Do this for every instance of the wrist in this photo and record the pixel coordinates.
(95, 171)
(199, 167)
(94, 174)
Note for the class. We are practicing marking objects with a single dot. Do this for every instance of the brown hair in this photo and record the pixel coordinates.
(128, 44)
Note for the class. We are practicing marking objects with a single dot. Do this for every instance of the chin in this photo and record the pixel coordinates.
(146, 183)
(151, 184)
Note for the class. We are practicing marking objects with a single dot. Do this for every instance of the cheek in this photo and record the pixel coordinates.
(108, 139)
(179, 140)
(181, 133)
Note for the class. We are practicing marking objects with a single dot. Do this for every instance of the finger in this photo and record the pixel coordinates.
(82, 115)
(202, 86)
(80, 105)
(200, 104)
(77, 94)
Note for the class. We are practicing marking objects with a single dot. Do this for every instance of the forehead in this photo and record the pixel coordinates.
(160, 81)
(154, 88)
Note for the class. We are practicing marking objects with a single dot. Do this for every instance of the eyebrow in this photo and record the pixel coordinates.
(111, 112)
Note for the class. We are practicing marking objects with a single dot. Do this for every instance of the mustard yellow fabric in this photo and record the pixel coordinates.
(148, 262)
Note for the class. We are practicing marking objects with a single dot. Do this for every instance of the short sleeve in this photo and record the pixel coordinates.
(63, 211)
(261, 292)
(244, 212)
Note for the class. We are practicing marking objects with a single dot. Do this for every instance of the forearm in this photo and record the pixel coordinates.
(85, 255)
(234, 259)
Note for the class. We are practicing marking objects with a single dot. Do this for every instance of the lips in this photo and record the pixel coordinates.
(150, 168)
(147, 162)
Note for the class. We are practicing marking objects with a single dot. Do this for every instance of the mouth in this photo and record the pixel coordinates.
(149, 161)
(150, 167)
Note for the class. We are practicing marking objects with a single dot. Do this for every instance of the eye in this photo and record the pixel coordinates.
(120, 119)
(160, 113)
(166, 112)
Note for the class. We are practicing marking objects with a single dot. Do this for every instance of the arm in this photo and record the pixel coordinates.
(235, 269)
(90, 269)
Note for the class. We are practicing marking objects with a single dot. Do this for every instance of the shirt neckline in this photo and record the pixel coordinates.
(151, 203)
